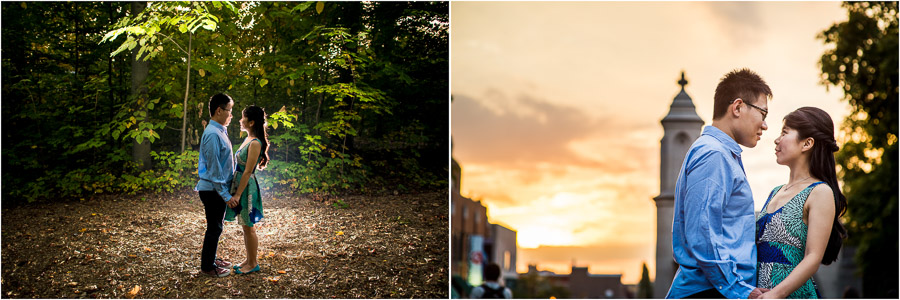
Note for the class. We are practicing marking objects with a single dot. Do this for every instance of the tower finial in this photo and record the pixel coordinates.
(682, 82)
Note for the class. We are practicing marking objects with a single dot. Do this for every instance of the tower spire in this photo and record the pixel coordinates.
(682, 82)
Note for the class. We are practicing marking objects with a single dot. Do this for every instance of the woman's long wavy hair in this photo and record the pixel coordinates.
(258, 116)
(816, 123)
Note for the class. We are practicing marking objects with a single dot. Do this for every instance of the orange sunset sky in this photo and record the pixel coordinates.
(556, 109)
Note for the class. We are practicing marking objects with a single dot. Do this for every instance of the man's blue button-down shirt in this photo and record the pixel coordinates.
(216, 165)
(713, 233)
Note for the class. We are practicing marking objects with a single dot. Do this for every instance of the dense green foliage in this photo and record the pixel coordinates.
(863, 62)
(356, 93)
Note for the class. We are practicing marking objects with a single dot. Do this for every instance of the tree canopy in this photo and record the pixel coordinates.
(862, 61)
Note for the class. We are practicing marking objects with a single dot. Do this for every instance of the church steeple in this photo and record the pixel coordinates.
(682, 126)
(682, 108)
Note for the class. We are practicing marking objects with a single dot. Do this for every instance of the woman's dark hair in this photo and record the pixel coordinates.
(258, 116)
(815, 123)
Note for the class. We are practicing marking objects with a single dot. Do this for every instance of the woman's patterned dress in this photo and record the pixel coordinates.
(251, 210)
(781, 243)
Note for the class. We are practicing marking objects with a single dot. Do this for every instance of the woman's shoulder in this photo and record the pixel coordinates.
(821, 193)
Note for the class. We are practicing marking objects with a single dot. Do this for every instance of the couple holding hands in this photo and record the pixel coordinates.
(723, 248)
(226, 180)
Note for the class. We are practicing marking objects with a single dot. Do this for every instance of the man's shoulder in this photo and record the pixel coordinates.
(211, 133)
(707, 146)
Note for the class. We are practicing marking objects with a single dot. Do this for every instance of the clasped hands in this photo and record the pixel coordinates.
(234, 201)
(761, 293)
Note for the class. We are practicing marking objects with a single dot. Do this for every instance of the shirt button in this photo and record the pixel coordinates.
(720, 287)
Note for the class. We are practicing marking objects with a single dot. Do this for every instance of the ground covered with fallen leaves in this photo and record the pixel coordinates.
(148, 246)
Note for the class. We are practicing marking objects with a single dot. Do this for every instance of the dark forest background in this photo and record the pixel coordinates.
(110, 97)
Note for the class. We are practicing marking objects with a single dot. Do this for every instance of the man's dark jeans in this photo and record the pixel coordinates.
(214, 206)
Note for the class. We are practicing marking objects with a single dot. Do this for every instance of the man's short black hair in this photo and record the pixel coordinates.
(744, 84)
(218, 101)
(492, 272)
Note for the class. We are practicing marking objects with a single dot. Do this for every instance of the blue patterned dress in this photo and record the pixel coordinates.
(781, 243)
(250, 210)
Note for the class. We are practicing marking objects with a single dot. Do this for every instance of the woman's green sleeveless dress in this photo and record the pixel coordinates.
(251, 209)
(781, 243)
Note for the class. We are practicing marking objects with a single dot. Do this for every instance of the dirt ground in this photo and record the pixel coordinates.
(148, 246)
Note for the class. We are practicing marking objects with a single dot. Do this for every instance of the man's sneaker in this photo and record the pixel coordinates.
(222, 264)
(217, 272)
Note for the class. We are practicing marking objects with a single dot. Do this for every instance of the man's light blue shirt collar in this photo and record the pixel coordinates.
(217, 125)
(726, 140)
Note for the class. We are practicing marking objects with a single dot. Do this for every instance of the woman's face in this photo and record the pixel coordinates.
(245, 124)
(788, 146)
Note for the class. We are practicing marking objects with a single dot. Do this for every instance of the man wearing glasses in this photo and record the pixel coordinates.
(215, 169)
(714, 231)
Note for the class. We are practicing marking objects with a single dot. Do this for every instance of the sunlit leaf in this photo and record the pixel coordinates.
(209, 25)
(302, 7)
(134, 291)
(320, 6)
(263, 82)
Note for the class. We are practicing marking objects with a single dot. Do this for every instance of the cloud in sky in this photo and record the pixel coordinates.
(514, 130)
(740, 22)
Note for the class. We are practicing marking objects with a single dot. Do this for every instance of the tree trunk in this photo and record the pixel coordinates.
(109, 72)
(139, 70)
(187, 87)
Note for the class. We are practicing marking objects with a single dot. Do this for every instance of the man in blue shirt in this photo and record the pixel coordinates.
(714, 230)
(215, 168)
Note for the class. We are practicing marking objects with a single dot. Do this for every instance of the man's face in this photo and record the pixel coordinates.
(225, 114)
(753, 121)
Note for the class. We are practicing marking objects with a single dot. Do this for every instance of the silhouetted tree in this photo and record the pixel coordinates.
(862, 61)
(645, 288)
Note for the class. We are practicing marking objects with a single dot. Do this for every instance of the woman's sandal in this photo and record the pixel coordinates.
(238, 270)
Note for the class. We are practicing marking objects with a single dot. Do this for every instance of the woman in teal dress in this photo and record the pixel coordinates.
(246, 202)
(798, 227)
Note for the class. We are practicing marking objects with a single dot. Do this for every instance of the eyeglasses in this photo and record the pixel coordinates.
(763, 111)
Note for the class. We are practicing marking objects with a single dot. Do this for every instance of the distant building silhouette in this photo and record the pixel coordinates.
(682, 126)
(501, 249)
(584, 285)
(468, 223)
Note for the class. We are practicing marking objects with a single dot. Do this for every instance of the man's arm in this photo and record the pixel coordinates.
(704, 202)
(224, 183)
